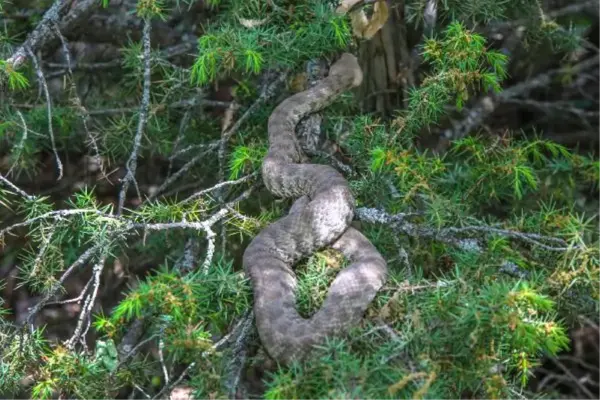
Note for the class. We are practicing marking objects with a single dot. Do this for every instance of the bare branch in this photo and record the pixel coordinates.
(161, 346)
(88, 305)
(63, 13)
(14, 187)
(450, 235)
(144, 109)
(21, 145)
(57, 215)
(267, 92)
(84, 258)
(487, 104)
(239, 355)
(218, 186)
(80, 109)
(176, 382)
(199, 157)
(42, 82)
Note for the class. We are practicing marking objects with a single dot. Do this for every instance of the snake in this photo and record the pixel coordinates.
(319, 217)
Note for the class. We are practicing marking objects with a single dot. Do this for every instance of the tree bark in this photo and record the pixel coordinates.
(386, 62)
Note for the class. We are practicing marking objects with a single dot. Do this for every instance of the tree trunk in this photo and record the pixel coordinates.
(386, 63)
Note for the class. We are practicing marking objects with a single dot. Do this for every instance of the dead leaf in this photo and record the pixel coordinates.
(363, 27)
(346, 5)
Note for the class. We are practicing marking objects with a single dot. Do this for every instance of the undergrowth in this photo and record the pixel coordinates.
(492, 253)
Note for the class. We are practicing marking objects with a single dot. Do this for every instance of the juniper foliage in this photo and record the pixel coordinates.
(492, 247)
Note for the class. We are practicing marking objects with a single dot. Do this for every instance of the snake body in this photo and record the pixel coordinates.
(320, 217)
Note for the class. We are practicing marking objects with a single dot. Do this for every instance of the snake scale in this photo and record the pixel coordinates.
(319, 217)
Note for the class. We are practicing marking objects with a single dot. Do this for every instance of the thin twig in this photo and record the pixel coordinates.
(89, 253)
(161, 346)
(75, 299)
(56, 216)
(146, 395)
(487, 104)
(42, 82)
(14, 187)
(45, 244)
(192, 147)
(65, 14)
(182, 127)
(218, 186)
(267, 93)
(131, 165)
(133, 351)
(19, 148)
(81, 110)
(574, 379)
(199, 157)
(88, 304)
(176, 382)
(448, 235)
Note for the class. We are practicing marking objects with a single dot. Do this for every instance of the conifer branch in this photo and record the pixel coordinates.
(80, 109)
(181, 171)
(42, 82)
(14, 187)
(450, 234)
(484, 107)
(88, 305)
(176, 382)
(64, 14)
(56, 216)
(74, 299)
(161, 357)
(572, 8)
(131, 165)
(267, 92)
(239, 355)
(42, 251)
(180, 225)
(218, 186)
(511, 321)
(83, 258)
(21, 144)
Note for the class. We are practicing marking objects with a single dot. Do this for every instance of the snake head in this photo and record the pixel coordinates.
(348, 65)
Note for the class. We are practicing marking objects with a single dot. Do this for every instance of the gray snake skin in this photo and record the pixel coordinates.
(320, 217)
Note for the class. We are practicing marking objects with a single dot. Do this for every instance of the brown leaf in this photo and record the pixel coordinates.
(362, 26)
(346, 5)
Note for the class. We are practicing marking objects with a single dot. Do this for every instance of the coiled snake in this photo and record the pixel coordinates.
(320, 217)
